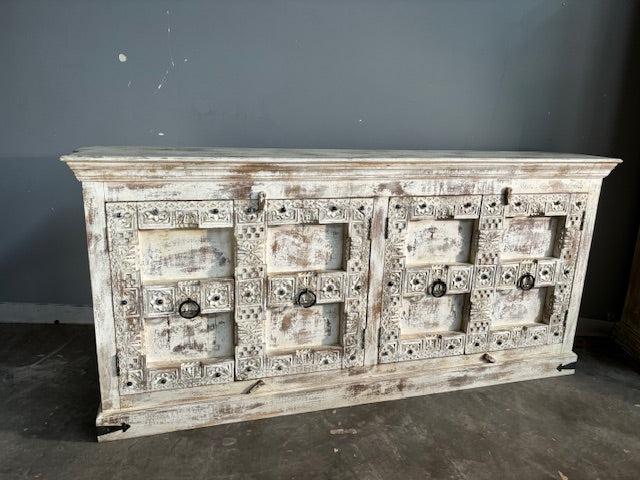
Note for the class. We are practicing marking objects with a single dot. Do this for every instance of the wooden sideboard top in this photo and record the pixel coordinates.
(292, 155)
(127, 164)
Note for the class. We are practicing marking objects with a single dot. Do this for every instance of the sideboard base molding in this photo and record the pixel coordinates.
(375, 384)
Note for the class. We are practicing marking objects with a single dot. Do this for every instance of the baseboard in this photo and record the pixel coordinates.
(13, 312)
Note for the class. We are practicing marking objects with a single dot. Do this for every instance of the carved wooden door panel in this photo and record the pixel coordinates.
(536, 239)
(428, 276)
(301, 285)
(469, 274)
(173, 293)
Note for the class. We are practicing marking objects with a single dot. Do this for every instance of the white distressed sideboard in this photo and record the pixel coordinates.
(237, 284)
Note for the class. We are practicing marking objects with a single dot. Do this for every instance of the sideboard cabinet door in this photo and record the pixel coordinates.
(301, 285)
(208, 292)
(470, 274)
(173, 293)
(539, 238)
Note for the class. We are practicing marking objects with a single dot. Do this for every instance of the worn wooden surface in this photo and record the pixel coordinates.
(93, 195)
(243, 232)
(368, 387)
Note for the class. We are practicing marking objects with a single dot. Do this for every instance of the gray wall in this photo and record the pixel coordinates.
(499, 74)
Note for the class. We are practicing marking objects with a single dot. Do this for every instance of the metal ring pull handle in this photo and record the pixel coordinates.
(306, 298)
(438, 288)
(526, 282)
(189, 309)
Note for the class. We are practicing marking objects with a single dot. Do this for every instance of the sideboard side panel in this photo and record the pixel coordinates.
(96, 223)
(581, 265)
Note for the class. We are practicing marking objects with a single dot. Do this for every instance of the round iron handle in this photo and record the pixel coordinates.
(189, 309)
(526, 282)
(306, 298)
(438, 288)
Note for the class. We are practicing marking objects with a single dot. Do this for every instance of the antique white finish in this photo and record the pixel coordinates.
(234, 284)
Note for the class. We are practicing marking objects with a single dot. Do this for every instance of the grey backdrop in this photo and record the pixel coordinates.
(497, 74)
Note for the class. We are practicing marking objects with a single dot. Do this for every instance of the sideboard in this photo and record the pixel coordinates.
(236, 284)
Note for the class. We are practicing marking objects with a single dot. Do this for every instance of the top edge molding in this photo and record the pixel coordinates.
(154, 164)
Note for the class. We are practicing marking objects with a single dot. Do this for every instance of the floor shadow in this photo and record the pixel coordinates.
(49, 386)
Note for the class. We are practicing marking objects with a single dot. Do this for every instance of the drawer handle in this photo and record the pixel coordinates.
(189, 309)
(438, 288)
(306, 298)
(526, 282)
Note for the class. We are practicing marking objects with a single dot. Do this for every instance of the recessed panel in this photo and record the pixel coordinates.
(429, 314)
(529, 237)
(297, 327)
(292, 248)
(518, 307)
(178, 339)
(186, 254)
(438, 241)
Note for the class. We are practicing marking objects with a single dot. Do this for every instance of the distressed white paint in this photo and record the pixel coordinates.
(305, 247)
(515, 307)
(291, 327)
(204, 337)
(427, 315)
(196, 176)
(529, 237)
(439, 241)
(186, 254)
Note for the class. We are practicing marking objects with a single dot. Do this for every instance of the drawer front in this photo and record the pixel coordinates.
(470, 274)
(302, 269)
(205, 292)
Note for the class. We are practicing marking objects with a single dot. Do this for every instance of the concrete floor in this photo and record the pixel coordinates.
(586, 426)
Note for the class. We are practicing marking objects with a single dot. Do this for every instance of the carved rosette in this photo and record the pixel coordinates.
(132, 301)
(212, 295)
(181, 214)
